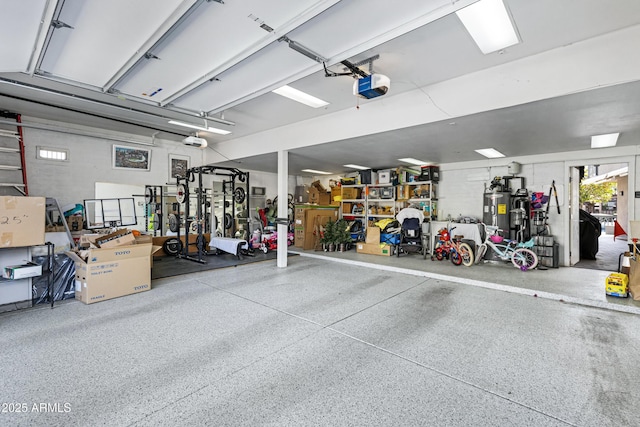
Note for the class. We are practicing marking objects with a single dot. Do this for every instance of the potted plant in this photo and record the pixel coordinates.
(328, 238)
(343, 235)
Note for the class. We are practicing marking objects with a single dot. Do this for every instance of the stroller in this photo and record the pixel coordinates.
(411, 239)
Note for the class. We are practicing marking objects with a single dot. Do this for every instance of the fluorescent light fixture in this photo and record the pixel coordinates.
(413, 161)
(298, 95)
(316, 172)
(206, 129)
(489, 24)
(491, 153)
(362, 168)
(602, 141)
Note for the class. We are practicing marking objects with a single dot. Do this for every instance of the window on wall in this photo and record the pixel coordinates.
(46, 153)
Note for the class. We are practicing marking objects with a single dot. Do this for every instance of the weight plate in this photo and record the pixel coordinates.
(201, 243)
(228, 221)
(157, 221)
(239, 195)
(181, 193)
(148, 195)
(194, 227)
(174, 223)
(172, 246)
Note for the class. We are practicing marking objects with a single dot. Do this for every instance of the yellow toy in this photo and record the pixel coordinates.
(617, 285)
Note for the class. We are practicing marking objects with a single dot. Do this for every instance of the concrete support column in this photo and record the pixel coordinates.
(283, 201)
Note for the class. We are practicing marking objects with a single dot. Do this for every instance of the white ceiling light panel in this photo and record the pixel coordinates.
(317, 172)
(413, 161)
(603, 141)
(300, 96)
(362, 168)
(491, 153)
(488, 22)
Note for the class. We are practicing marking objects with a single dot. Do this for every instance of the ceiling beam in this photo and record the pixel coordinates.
(163, 32)
(51, 8)
(272, 37)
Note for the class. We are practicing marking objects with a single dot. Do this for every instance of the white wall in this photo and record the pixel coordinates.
(462, 184)
(460, 190)
(90, 161)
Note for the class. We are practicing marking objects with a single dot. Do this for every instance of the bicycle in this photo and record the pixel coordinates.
(460, 252)
(520, 254)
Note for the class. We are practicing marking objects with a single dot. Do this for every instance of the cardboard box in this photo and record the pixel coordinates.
(148, 239)
(351, 193)
(346, 208)
(336, 195)
(74, 223)
(22, 221)
(317, 184)
(315, 218)
(24, 271)
(121, 237)
(88, 240)
(319, 197)
(373, 235)
(298, 237)
(374, 249)
(112, 272)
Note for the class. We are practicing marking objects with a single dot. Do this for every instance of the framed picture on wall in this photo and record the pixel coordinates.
(178, 166)
(131, 158)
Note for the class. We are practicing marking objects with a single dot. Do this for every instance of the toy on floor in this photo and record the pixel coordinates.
(269, 241)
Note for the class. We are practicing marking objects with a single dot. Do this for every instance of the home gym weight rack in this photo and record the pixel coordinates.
(154, 203)
(238, 182)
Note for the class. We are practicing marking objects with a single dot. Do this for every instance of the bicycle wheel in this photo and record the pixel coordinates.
(456, 258)
(524, 259)
(466, 253)
(439, 252)
(482, 249)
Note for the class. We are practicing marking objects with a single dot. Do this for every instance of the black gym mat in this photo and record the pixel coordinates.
(168, 266)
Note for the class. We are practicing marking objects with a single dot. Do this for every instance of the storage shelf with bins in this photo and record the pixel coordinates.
(14, 293)
(420, 194)
(353, 202)
(381, 201)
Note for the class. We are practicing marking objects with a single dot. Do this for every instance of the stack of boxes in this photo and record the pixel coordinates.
(372, 245)
(306, 219)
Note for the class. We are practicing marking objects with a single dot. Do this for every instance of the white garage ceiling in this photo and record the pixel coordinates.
(133, 66)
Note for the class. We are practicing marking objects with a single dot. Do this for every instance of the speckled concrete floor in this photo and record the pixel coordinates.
(321, 343)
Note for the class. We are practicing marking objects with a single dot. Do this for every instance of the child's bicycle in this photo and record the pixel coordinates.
(460, 252)
(519, 254)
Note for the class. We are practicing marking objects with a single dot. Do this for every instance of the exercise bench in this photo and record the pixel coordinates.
(230, 245)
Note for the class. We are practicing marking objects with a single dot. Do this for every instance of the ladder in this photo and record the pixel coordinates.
(13, 168)
(54, 215)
